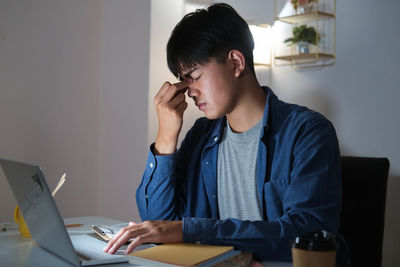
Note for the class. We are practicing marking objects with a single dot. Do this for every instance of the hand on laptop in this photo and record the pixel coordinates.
(146, 232)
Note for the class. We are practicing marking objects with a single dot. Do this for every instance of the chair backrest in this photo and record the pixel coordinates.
(363, 208)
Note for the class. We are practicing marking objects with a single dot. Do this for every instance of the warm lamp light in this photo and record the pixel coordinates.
(262, 44)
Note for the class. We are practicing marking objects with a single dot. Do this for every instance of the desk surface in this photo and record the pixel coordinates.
(19, 251)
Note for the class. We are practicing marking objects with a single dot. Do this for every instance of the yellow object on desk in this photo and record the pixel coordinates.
(22, 227)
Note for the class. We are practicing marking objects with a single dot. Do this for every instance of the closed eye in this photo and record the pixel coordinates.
(197, 78)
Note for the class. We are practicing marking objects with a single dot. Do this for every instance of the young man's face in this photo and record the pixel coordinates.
(213, 88)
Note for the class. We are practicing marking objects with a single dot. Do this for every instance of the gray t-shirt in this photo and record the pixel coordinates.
(237, 187)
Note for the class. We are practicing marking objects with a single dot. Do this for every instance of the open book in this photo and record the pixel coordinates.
(182, 254)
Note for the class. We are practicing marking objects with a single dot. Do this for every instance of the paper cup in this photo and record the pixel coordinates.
(316, 249)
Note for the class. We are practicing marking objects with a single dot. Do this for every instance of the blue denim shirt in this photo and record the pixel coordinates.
(298, 183)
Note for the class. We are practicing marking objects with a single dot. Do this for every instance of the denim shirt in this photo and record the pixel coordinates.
(298, 181)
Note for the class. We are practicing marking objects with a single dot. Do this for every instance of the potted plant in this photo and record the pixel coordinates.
(307, 5)
(303, 36)
(295, 4)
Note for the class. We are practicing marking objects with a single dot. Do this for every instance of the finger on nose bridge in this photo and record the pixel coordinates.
(189, 80)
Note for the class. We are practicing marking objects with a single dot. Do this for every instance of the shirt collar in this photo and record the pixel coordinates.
(217, 131)
(271, 101)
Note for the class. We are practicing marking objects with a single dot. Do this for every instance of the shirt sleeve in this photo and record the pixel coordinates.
(259, 237)
(155, 196)
(313, 197)
(160, 196)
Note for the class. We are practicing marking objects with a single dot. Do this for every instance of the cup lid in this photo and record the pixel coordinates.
(317, 241)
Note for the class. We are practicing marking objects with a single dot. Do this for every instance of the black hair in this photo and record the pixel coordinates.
(209, 33)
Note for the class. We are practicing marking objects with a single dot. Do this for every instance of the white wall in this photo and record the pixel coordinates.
(73, 98)
(49, 97)
(124, 83)
(360, 95)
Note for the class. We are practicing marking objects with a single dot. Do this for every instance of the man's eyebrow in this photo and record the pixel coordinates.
(187, 74)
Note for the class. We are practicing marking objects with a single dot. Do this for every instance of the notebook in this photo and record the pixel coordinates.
(182, 254)
(45, 222)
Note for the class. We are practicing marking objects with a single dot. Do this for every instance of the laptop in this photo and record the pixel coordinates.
(45, 222)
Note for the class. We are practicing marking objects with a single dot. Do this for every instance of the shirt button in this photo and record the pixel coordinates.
(147, 196)
(206, 162)
(213, 196)
(215, 138)
(151, 165)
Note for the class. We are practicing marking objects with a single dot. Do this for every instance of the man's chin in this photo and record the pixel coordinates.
(211, 116)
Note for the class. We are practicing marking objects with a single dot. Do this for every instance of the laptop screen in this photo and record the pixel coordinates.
(39, 209)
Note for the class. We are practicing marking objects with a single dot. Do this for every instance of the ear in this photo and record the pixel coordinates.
(238, 62)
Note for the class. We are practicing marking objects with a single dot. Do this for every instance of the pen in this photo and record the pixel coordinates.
(74, 225)
(98, 230)
(101, 233)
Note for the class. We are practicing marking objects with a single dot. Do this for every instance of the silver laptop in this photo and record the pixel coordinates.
(45, 222)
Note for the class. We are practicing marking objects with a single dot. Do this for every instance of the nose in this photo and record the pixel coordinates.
(193, 92)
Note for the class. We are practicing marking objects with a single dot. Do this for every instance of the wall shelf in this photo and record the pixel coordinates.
(302, 18)
(306, 56)
(318, 14)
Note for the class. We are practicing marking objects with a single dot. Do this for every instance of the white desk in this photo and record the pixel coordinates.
(19, 251)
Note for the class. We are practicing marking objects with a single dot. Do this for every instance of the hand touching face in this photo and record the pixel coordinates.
(170, 103)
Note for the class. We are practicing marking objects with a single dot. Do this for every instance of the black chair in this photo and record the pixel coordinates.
(363, 208)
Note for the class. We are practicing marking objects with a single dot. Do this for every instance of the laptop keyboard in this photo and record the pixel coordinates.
(89, 248)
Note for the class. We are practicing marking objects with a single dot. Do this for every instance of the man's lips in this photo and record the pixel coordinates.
(201, 106)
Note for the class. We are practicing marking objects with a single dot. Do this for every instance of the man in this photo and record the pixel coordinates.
(254, 173)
